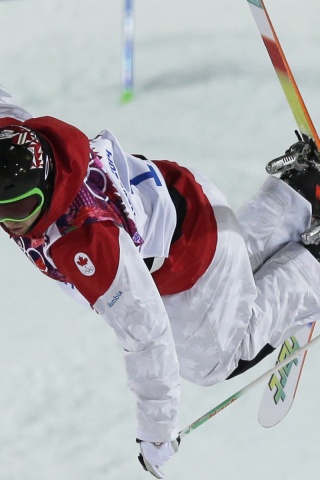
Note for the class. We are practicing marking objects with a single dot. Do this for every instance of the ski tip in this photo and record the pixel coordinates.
(268, 420)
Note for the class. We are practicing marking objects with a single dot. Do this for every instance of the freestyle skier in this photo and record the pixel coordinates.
(191, 288)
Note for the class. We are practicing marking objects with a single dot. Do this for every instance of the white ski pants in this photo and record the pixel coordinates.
(260, 288)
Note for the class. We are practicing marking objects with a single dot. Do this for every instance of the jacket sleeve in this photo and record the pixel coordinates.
(105, 266)
(9, 109)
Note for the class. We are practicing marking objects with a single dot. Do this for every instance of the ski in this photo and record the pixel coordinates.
(283, 70)
(282, 386)
(240, 393)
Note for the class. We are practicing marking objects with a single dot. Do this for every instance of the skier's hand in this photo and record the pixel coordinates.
(154, 455)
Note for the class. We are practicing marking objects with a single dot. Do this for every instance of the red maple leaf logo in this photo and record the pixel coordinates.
(318, 192)
(82, 262)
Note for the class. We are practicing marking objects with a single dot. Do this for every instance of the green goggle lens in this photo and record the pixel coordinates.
(21, 208)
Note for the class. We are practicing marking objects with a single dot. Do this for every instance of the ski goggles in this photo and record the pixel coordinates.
(21, 208)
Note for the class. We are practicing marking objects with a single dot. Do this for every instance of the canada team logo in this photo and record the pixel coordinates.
(84, 264)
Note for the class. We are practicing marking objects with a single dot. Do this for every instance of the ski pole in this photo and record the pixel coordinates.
(214, 411)
(127, 53)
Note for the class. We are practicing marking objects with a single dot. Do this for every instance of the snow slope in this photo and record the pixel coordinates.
(205, 96)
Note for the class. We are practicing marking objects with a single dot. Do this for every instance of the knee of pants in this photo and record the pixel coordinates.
(205, 367)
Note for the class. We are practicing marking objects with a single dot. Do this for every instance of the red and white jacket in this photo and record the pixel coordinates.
(109, 212)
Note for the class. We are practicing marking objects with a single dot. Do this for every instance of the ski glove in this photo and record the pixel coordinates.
(154, 455)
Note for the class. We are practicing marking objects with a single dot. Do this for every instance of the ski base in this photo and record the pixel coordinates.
(282, 385)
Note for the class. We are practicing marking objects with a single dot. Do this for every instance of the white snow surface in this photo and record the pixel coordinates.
(206, 96)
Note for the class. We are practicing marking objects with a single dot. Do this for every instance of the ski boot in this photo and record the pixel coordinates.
(300, 168)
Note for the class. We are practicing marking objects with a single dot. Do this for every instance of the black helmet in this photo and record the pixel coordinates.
(25, 165)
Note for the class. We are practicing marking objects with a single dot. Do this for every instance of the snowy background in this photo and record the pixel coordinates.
(206, 95)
